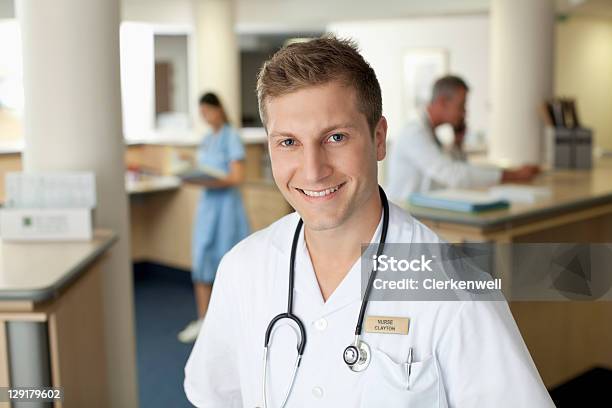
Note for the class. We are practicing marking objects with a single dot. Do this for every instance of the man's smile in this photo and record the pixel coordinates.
(321, 193)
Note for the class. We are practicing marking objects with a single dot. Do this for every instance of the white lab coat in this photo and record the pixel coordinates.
(466, 354)
(417, 163)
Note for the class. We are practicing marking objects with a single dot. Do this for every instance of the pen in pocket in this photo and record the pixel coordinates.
(408, 367)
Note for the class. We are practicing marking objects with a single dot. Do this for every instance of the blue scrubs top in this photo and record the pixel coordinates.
(220, 221)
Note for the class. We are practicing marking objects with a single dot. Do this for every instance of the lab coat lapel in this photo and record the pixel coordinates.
(306, 284)
(426, 121)
(305, 279)
(349, 290)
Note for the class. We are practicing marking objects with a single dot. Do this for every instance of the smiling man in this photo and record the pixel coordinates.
(296, 287)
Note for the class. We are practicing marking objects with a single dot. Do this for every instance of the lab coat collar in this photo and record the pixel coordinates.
(427, 123)
(347, 292)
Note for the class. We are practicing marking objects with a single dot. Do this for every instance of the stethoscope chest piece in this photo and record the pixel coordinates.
(357, 356)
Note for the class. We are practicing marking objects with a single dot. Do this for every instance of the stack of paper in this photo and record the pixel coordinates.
(520, 194)
(459, 200)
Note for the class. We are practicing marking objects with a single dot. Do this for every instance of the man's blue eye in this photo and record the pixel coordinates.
(288, 142)
(336, 137)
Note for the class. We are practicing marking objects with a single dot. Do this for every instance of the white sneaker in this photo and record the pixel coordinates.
(190, 333)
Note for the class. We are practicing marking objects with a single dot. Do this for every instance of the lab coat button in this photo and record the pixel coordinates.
(317, 392)
(321, 324)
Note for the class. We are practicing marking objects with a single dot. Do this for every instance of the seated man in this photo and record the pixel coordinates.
(417, 162)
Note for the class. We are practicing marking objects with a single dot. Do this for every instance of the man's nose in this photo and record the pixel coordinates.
(316, 165)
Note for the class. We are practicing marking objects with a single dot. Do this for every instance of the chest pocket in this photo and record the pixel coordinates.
(386, 383)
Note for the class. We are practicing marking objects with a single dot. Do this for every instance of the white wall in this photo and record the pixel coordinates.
(11, 82)
(140, 47)
(297, 15)
(158, 11)
(173, 49)
(137, 81)
(583, 70)
(383, 44)
(7, 9)
(314, 15)
(11, 92)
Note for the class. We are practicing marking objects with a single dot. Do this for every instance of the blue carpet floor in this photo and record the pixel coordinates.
(164, 305)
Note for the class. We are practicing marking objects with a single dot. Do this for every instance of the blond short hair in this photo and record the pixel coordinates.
(317, 62)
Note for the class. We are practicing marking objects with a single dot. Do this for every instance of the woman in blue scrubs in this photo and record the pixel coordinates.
(221, 221)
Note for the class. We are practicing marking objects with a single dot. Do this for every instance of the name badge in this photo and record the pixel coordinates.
(389, 325)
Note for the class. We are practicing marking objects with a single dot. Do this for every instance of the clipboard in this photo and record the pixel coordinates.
(201, 173)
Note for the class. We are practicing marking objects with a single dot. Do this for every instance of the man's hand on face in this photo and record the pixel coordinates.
(521, 174)
(459, 131)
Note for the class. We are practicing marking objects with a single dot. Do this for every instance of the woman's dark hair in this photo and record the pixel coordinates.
(210, 98)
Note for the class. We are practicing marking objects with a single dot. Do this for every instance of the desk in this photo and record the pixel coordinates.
(564, 338)
(577, 197)
(162, 220)
(51, 325)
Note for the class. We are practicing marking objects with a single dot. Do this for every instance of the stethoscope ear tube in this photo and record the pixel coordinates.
(296, 238)
(289, 314)
(379, 250)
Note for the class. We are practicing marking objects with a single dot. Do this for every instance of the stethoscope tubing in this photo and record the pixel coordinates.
(289, 314)
(379, 250)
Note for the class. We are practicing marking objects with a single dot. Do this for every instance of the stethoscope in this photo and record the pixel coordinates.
(357, 355)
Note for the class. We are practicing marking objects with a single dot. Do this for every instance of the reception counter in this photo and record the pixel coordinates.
(162, 219)
(51, 324)
(162, 208)
(577, 198)
(564, 338)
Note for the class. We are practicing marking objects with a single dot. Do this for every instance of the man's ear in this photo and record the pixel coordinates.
(380, 138)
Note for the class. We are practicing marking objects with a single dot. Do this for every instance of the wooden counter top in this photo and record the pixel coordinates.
(571, 190)
(38, 271)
